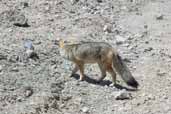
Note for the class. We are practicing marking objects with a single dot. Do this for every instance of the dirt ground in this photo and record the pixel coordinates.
(139, 29)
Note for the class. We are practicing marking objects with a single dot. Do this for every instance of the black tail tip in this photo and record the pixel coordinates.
(133, 83)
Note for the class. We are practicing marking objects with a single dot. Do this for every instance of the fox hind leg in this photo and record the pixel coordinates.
(113, 74)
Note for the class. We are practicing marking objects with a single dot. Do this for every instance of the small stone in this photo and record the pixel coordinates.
(150, 97)
(123, 8)
(47, 8)
(85, 109)
(148, 49)
(1, 68)
(31, 54)
(74, 1)
(165, 97)
(112, 85)
(53, 104)
(145, 26)
(15, 69)
(161, 73)
(107, 28)
(159, 17)
(21, 21)
(19, 99)
(99, 1)
(146, 42)
(28, 91)
(122, 95)
(62, 106)
(30, 50)
(119, 39)
(25, 4)
(13, 58)
(28, 45)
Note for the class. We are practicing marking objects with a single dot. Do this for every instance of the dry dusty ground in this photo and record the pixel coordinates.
(139, 29)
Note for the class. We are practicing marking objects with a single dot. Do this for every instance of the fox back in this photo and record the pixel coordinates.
(88, 52)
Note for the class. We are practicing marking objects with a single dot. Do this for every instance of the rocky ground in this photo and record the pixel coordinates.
(138, 29)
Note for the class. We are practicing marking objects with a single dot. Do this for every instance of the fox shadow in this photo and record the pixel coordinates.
(102, 83)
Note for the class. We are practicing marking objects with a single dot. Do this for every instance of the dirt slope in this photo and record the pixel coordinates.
(140, 30)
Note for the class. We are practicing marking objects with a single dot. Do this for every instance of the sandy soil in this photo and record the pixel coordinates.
(138, 29)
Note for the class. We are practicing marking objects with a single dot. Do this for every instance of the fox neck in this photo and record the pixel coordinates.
(67, 52)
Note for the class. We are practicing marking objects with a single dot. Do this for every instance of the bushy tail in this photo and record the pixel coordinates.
(123, 71)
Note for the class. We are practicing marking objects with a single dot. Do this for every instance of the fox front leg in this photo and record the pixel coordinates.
(74, 70)
(81, 68)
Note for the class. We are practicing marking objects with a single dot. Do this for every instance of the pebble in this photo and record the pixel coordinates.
(145, 26)
(21, 21)
(148, 49)
(107, 28)
(99, 1)
(15, 69)
(120, 39)
(29, 53)
(161, 73)
(28, 91)
(24, 4)
(1, 68)
(159, 17)
(122, 95)
(74, 1)
(85, 109)
(28, 45)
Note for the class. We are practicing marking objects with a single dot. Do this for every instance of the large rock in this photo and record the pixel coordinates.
(14, 17)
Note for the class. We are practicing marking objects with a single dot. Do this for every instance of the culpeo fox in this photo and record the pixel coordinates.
(101, 53)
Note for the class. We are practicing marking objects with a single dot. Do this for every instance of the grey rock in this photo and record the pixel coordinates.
(28, 45)
(148, 49)
(28, 91)
(99, 1)
(107, 28)
(30, 52)
(123, 94)
(1, 68)
(24, 4)
(14, 17)
(20, 21)
(85, 109)
(74, 1)
(159, 17)
(14, 69)
(161, 73)
(120, 39)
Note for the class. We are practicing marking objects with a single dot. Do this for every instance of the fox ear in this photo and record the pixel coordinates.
(61, 43)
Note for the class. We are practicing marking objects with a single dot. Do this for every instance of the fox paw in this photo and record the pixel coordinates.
(81, 79)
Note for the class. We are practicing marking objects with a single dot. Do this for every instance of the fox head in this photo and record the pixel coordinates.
(64, 42)
(63, 46)
(61, 43)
